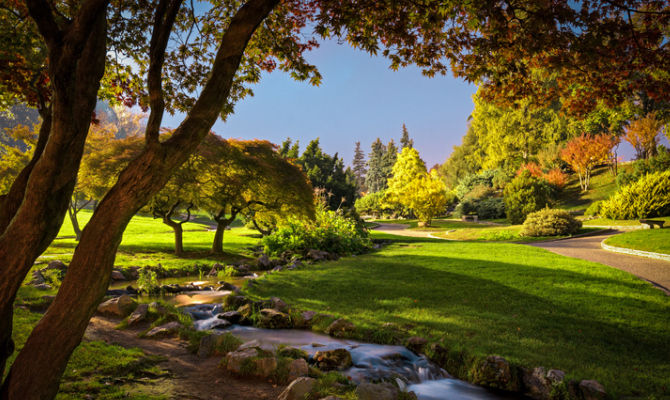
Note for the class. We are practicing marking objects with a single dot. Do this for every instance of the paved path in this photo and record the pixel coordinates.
(588, 248)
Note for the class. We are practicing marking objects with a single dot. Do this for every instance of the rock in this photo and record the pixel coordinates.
(264, 262)
(338, 359)
(297, 368)
(118, 306)
(250, 344)
(38, 278)
(216, 267)
(496, 372)
(246, 311)
(298, 389)
(118, 275)
(231, 316)
(139, 314)
(278, 268)
(237, 360)
(273, 319)
(265, 367)
(226, 286)
(164, 330)
(235, 302)
(43, 286)
(292, 352)
(303, 320)
(220, 324)
(279, 304)
(158, 307)
(340, 328)
(416, 344)
(317, 255)
(131, 290)
(56, 264)
(133, 272)
(592, 390)
(207, 345)
(556, 376)
(377, 391)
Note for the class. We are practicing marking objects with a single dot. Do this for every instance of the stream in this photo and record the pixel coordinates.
(370, 361)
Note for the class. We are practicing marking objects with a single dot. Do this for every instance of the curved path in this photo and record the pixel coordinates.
(588, 248)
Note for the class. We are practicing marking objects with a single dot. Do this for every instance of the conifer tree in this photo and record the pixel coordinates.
(375, 179)
(359, 167)
(389, 160)
(405, 141)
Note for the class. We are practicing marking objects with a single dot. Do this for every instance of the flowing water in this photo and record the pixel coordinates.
(370, 361)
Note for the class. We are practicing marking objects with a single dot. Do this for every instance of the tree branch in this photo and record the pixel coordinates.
(166, 13)
(40, 11)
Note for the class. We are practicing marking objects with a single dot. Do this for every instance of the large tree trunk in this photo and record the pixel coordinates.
(178, 236)
(32, 223)
(217, 245)
(37, 370)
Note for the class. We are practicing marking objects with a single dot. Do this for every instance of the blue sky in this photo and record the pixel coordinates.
(359, 99)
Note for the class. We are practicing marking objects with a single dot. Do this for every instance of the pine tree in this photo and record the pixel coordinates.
(375, 180)
(405, 141)
(359, 167)
(389, 160)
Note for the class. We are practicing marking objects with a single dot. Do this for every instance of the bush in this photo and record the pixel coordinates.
(658, 163)
(465, 185)
(594, 209)
(331, 232)
(550, 222)
(373, 204)
(147, 281)
(489, 208)
(648, 197)
(523, 195)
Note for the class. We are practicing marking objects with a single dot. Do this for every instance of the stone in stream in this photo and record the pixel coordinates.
(377, 391)
(497, 373)
(337, 359)
(263, 262)
(118, 275)
(416, 344)
(340, 328)
(139, 314)
(298, 389)
(317, 255)
(56, 264)
(273, 319)
(251, 361)
(38, 278)
(235, 302)
(227, 286)
(592, 390)
(539, 383)
(297, 368)
(164, 330)
(118, 306)
(279, 304)
(231, 316)
(43, 286)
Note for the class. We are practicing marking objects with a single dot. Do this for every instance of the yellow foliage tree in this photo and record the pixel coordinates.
(643, 134)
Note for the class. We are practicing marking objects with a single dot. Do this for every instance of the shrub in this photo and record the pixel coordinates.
(148, 281)
(373, 204)
(465, 185)
(550, 222)
(491, 208)
(556, 178)
(594, 209)
(523, 195)
(648, 197)
(331, 231)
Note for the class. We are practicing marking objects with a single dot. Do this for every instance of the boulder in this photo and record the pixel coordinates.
(416, 344)
(273, 319)
(164, 330)
(227, 286)
(265, 367)
(158, 308)
(139, 314)
(235, 302)
(231, 316)
(317, 255)
(118, 275)
(298, 389)
(264, 262)
(237, 360)
(592, 390)
(220, 324)
(43, 286)
(38, 278)
(496, 372)
(303, 320)
(118, 306)
(377, 391)
(279, 304)
(246, 311)
(338, 359)
(56, 264)
(133, 272)
(539, 383)
(297, 368)
(340, 328)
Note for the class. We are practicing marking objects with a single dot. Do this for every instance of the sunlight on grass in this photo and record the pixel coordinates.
(654, 240)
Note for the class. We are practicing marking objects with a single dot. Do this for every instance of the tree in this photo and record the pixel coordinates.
(524, 195)
(643, 134)
(255, 180)
(359, 167)
(405, 141)
(16, 149)
(289, 149)
(375, 180)
(59, 58)
(585, 152)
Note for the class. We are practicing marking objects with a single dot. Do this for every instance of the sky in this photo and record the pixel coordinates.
(359, 99)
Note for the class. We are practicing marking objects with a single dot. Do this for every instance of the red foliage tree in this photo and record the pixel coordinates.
(585, 152)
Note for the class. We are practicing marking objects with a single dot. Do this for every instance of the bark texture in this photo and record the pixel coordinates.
(36, 372)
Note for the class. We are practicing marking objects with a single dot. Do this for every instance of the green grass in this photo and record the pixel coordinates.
(510, 233)
(654, 240)
(98, 369)
(602, 186)
(147, 241)
(621, 222)
(529, 305)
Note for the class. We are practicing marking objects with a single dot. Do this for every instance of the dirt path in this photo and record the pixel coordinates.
(588, 248)
(191, 377)
(401, 230)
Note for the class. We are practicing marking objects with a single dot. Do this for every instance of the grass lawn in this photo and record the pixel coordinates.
(147, 241)
(655, 240)
(510, 233)
(529, 305)
(621, 222)
(601, 187)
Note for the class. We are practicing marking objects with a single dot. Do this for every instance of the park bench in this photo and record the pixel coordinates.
(469, 218)
(650, 223)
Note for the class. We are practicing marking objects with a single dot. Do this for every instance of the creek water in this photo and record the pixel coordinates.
(371, 362)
